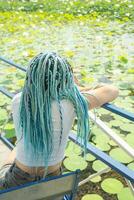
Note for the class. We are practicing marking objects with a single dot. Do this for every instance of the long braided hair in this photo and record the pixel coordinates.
(49, 78)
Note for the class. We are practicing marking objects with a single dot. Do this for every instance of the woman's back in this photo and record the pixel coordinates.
(68, 115)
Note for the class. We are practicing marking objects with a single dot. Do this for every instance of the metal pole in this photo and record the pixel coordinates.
(13, 64)
(124, 145)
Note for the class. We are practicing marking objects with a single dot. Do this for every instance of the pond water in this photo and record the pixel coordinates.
(98, 50)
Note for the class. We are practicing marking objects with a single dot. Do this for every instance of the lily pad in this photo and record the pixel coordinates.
(130, 139)
(103, 146)
(9, 133)
(131, 166)
(120, 155)
(98, 165)
(124, 92)
(90, 157)
(3, 114)
(9, 126)
(74, 163)
(101, 137)
(97, 131)
(96, 179)
(127, 127)
(9, 130)
(115, 123)
(4, 100)
(112, 143)
(92, 197)
(111, 185)
(72, 149)
(125, 193)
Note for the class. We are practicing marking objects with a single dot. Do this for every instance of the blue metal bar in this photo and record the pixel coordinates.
(119, 111)
(66, 197)
(115, 165)
(75, 185)
(6, 92)
(17, 187)
(13, 64)
(9, 144)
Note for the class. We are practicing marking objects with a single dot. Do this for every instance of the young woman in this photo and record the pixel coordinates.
(43, 115)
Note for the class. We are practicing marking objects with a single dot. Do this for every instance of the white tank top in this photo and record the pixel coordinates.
(58, 152)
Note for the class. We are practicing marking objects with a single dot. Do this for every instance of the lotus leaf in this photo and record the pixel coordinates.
(125, 194)
(98, 165)
(74, 163)
(130, 139)
(127, 127)
(112, 143)
(103, 146)
(96, 179)
(100, 137)
(120, 155)
(72, 149)
(131, 166)
(92, 197)
(3, 114)
(111, 185)
(90, 157)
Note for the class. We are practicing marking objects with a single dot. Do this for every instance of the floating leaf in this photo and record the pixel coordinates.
(96, 179)
(131, 166)
(120, 155)
(131, 70)
(70, 53)
(127, 127)
(123, 59)
(3, 114)
(9, 130)
(72, 149)
(90, 157)
(98, 165)
(4, 100)
(112, 143)
(11, 69)
(103, 146)
(100, 137)
(116, 123)
(74, 163)
(92, 197)
(10, 133)
(125, 194)
(124, 93)
(99, 132)
(20, 82)
(9, 126)
(130, 139)
(111, 185)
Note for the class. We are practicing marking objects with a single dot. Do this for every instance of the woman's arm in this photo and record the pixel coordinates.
(102, 94)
